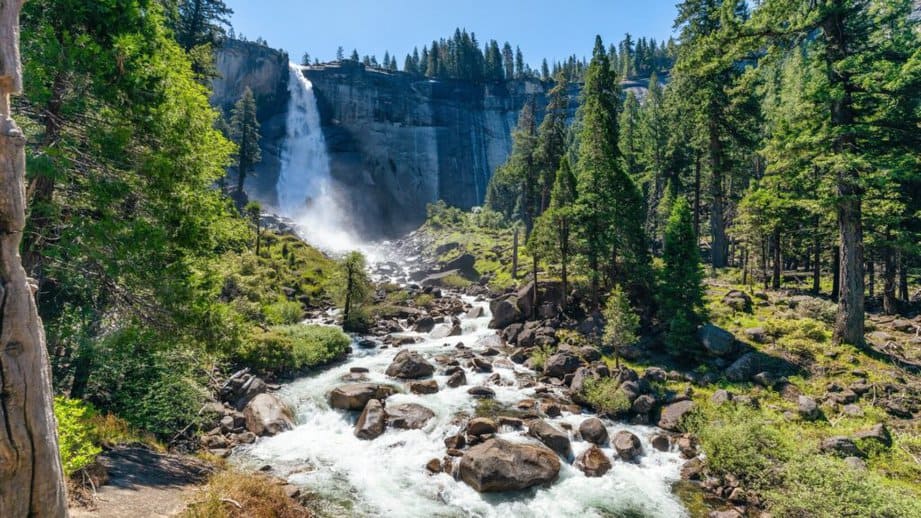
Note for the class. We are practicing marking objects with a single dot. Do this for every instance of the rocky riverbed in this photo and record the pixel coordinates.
(435, 413)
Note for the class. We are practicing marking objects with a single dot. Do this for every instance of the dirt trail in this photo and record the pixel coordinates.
(144, 483)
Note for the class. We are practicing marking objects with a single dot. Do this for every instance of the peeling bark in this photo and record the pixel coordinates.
(31, 476)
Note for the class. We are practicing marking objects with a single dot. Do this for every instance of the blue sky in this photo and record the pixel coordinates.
(542, 28)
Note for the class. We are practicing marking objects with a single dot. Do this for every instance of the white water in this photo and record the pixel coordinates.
(387, 477)
(307, 194)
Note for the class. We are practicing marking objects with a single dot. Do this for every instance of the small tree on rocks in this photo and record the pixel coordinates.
(355, 286)
(680, 286)
(620, 321)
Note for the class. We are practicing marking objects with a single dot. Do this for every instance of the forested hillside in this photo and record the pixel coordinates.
(713, 251)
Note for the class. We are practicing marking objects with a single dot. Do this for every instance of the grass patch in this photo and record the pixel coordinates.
(290, 349)
(604, 396)
(234, 494)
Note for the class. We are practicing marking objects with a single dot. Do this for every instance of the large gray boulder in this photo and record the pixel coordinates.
(673, 415)
(410, 365)
(628, 446)
(265, 414)
(408, 416)
(356, 395)
(716, 340)
(372, 421)
(561, 364)
(594, 431)
(548, 434)
(743, 368)
(505, 312)
(498, 465)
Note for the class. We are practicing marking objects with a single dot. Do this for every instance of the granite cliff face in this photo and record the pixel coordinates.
(265, 71)
(395, 141)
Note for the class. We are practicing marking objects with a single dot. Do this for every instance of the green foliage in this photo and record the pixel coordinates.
(680, 289)
(244, 131)
(741, 442)
(287, 350)
(75, 433)
(283, 312)
(354, 287)
(608, 209)
(539, 356)
(620, 320)
(440, 215)
(823, 486)
(603, 395)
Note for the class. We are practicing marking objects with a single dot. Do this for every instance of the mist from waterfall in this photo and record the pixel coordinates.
(306, 192)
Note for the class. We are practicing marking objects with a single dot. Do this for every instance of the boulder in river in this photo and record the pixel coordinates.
(356, 395)
(457, 379)
(504, 312)
(410, 365)
(548, 434)
(423, 387)
(408, 416)
(424, 324)
(372, 421)
(594, 431)
(561, 364)
(498, 465)
(482, 392)
(628, 446)
(265, 414)
(673, 414)
(593, 462)
(481, 426)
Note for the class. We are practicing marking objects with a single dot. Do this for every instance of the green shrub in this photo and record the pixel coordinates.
(75, 433)
(539, 356)
(440, 215)
(283, 312)
(824, 486)
(604, 396)
(455, 281)
(292, 348)
(742, 442)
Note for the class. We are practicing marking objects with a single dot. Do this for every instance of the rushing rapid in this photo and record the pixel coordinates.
(387, 476)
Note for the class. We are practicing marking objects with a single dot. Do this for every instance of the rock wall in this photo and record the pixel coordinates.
(265, 71)
(396, 141)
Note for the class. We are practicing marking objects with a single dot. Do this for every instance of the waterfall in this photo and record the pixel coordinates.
(306, 192)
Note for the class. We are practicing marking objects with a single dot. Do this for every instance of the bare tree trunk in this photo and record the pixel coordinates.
(849, 325)
(903, 276)
(836, 273)
(816, 259)
(31, 476)
(871, 278)
(778, 266)
(697, 196)
(515, 254)
(890, 304)
(718, 245)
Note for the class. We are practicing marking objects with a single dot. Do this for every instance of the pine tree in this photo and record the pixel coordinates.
(519, 63)
(354, 289)
(305, 59)
(553, 230)
(508, 60)
(202, 22)
(680, 287)
(609, 208)
(629, 141)
(621, 322)
(551, 138)
(544, 70)
(244, 127)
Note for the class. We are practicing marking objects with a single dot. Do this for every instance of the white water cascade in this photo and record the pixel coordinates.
(386, 476)
(307, 194)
